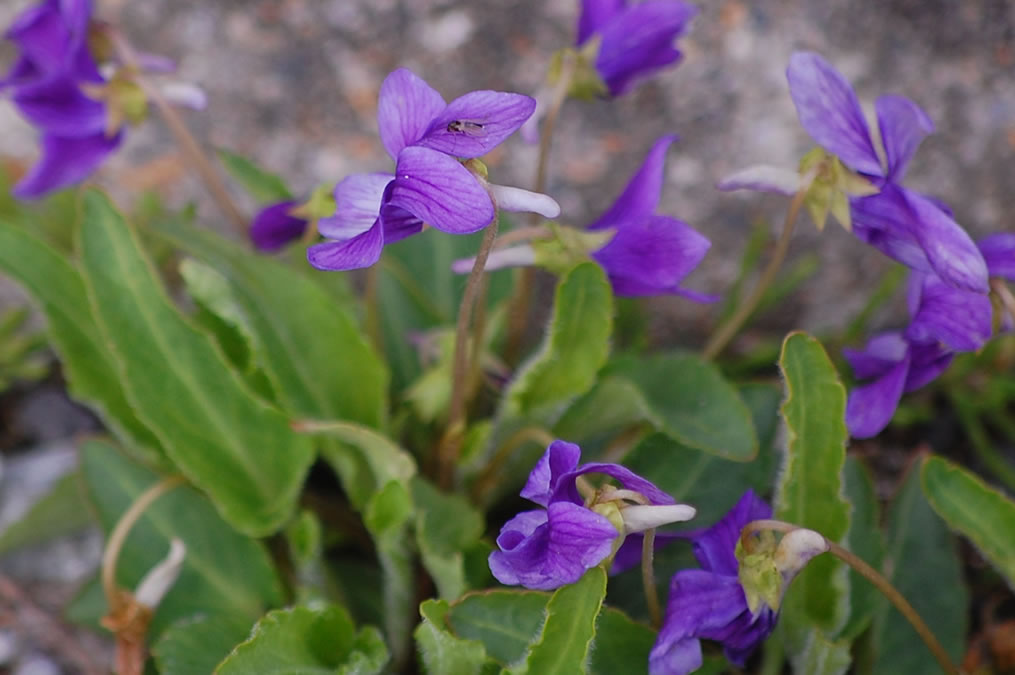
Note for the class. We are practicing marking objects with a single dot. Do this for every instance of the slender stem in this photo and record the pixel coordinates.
(474, 373)
(721, 337)
(623, 442)
(190, 147)
(373, 316)
(118, 536)
(451, 443)
(648, 579)
(518, 306)
(491, 471)
(873, 576)
(1004, 294)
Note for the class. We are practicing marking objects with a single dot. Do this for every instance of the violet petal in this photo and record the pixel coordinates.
(58, 106)
(903, 126)
(405, 107)
(949, 249)
(960, 319)
(559, 459)
(361, 251)
(999, 253)
(594, 15)
(881, 353)
(64, 162)
(870, 407)
(273, 227)
(641, 195)
(474, 124)
(357, 205)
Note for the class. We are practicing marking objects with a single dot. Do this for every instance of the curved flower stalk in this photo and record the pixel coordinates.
(860, 183)
(553, 546)
(734, 598)
(945, 320)
(79, 105)
(643, 253)
(426, 137)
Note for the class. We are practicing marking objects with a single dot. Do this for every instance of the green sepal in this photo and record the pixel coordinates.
(759, 576)
(321, 204)
(832, 186)
(586, 83)
(567, 248)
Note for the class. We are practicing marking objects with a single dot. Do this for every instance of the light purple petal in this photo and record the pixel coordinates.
(903, 126)
(830, 112)
(641, 195)
(65, 161)
(559, 459)
(594, 15)
(437, 189)
(882, 353)
(567, 488)
(273, 227)
(763, 178)
(474, 124)
(884, 221)
(57, 106)
(651, 257)
(999, 253)
(715, 547)
(42, 35)
(870, 407)
(361, 251)
(960, 319)
(405, 107)
(525, 201)
(639, 41)
(949, 249)
(357, 205)
(398, 223)
(501, 258)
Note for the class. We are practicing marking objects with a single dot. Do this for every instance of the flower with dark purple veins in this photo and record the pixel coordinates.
(45, 84)
(274, 226)
(635, 41)
(734, 598)
(553, 546)
(905, 225)
(426, 137)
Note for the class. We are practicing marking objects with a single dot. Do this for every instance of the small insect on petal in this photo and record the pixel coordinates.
(465, 127)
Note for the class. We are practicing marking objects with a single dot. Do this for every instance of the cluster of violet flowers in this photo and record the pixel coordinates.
(554, 545)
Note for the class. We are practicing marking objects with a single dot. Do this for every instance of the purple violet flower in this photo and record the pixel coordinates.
(553, 546)
(999, 252)
(635, 41)
(903, 224)
(274, 226)
(45, 84)
(710, 603)
(426, 137)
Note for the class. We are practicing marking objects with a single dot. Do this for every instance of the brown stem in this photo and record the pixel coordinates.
(648, 580)
(725, 333)
(190, 147)
(879, 582)
(518, 306)
(451, 444)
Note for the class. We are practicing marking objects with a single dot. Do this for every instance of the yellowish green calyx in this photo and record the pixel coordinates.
(831, 187)
(477, 168)
(611, 510)
(321, 204)
(585, 82)
(126, 102)
(567, 248)
(759, 576)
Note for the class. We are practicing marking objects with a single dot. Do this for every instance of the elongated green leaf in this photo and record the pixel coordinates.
(225, 439)
(922, 563)
(305, 641)
(821, 656)
(864, 539)
(810, 490)
(442, 652)
(692, 403)
(262, 185)
(199, 644)
(621, 645)
(60, 511)
(446, 526)
(92, 374)
(612, 404)
(310, 347)
(505, 621)
(223, 572)
(570, 626)
(974, 510)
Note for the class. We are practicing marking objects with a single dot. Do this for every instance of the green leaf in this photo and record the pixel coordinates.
(865, 540)
(570, 627)
(61, 510)
(505, 621)
(924, 566)
(92, 373)
(442, 652)
(198, 644)
(973, 509)
(224, 439)
(310, 347)
(692, 403)
(810, 489)
(300, 641)
(223, 572)
(446, 526)
(262, 185)
(821, 656)
(219, 313)
(621, 645)
(613, 403)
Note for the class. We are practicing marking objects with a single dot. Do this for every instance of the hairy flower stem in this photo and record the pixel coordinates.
(451, 443)
(207, 174)
(725, 333)
(518, 305)
(648, 578)
(873, 576)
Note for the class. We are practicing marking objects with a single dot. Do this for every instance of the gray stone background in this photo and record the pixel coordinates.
(293, 83)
